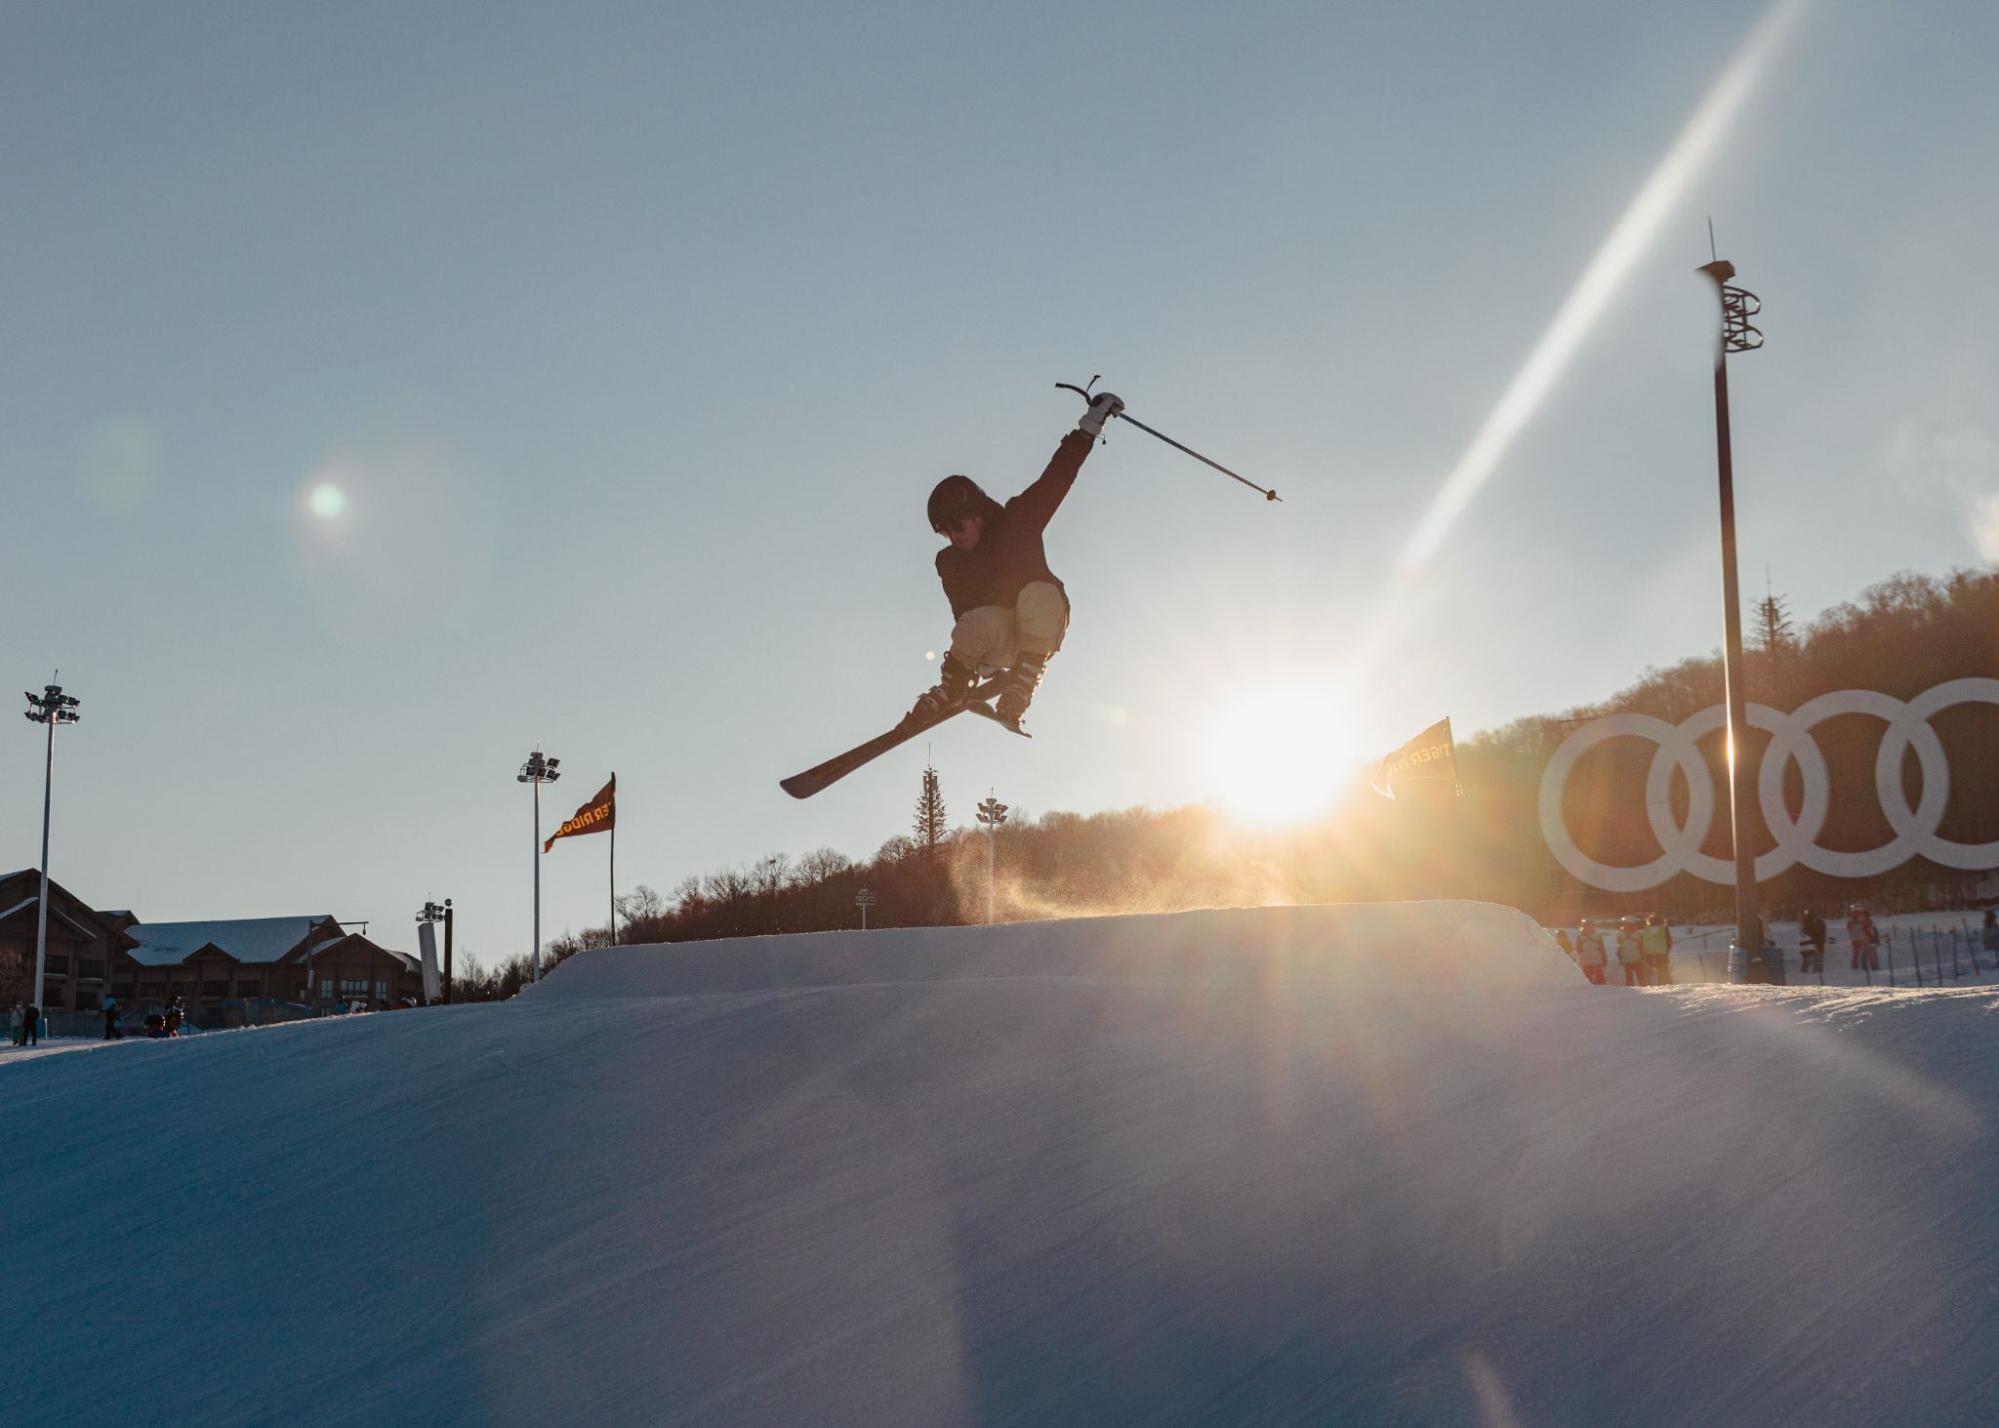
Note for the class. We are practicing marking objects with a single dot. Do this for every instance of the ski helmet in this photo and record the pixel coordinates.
(953, 499)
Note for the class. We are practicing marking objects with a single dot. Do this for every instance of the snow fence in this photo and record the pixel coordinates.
(1476, 943)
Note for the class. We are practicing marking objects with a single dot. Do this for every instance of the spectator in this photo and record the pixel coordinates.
(1589, 952)
(1811, 942)
(1562, 941)
(173, 1018)
(1988, 935)
(17, 1018)
(1860, 931)
(156, 1024)
(111, 1032)
(1630, 952)
(31, 1023)
(1657, 943)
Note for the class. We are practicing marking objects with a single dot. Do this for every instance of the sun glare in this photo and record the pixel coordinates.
(328, 501)
(1280, 757)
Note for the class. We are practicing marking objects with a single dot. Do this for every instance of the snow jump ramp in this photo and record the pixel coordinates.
(1385, 1164)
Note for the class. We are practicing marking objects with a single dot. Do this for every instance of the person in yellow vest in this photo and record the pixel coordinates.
(1589, 951)
(1630, 952)
(1657, 942)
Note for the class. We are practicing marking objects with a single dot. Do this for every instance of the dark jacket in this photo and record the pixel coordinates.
(1009, 553)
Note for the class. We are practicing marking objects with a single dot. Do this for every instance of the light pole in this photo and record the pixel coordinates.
(434, 913)
(53, 707)
(538, 770)
(992, 813)
(1737, 335)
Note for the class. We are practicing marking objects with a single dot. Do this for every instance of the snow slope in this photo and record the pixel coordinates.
(1380, 1164)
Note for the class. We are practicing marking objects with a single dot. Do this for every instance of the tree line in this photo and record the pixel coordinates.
(1901, 636)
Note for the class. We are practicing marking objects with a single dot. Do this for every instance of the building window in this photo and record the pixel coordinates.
(214, 991)
(58, 965)
(353, 988)
(90, 969)
(381, 989)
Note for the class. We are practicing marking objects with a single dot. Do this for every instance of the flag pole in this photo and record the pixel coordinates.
(614, 880)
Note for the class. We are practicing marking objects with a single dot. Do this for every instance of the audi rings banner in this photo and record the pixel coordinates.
(1852, 784)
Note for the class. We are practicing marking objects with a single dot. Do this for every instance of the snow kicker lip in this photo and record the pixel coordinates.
(1385, 944)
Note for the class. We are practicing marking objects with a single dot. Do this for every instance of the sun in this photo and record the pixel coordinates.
(327, 501)
(1280, 756)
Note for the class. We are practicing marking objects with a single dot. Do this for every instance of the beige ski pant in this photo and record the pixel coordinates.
(994, 637)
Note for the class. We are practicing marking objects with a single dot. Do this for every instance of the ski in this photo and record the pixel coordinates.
(820, 776)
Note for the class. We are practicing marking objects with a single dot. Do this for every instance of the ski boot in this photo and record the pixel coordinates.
(1018, 690)
(948, 695)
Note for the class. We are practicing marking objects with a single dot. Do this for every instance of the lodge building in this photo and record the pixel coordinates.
(216, 965)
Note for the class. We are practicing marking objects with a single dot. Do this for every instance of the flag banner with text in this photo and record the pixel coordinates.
(1429, 760)
(597, 816)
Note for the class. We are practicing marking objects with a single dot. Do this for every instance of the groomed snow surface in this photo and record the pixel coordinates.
(1379, 1164)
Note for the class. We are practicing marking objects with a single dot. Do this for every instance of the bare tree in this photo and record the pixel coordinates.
(819, 866)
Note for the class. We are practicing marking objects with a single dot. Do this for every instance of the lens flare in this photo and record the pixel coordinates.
(328, 501)
(1281, 756)
(1657, 197)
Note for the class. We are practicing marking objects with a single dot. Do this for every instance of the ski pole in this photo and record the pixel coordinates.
(1084, 393)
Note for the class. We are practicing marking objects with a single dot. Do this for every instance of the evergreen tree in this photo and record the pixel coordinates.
(1774, 634)
(930, 813)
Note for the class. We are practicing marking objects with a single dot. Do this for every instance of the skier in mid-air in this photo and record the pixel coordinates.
(1011, 611)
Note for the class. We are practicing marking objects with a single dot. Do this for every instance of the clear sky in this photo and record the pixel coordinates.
(634, 336)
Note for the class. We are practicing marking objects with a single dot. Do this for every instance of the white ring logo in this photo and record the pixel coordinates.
(1790, 740)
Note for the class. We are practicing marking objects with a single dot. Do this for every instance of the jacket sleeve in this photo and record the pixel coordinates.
(1036, 505)
(950, 570)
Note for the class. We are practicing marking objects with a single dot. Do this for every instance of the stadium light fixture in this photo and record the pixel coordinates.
(992, 813)
(53, 708)
(1737, 334)
(538, 770)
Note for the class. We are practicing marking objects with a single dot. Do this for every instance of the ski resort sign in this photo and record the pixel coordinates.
(1790, 741)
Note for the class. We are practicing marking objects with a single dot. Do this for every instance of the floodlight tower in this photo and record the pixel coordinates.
(1737, 334)
(52, 708)
(433, 912)
(538, 770)
(992, 813)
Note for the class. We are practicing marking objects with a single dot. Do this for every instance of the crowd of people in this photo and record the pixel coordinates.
(25, 1021)
(1643, 947)
(27, 1026)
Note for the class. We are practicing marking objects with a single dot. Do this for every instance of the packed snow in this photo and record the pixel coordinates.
(1313, 1165)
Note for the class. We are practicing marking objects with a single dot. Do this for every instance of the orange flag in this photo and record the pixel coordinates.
(599, 815)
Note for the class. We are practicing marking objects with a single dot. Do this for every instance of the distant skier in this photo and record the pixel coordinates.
(1864, 938)
(1589, 951)
(1011, 611)
(1656, 939)
(1811, 941)
(1630, 952)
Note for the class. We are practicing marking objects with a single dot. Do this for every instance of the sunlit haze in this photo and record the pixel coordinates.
(394, 390)
(1280, 755)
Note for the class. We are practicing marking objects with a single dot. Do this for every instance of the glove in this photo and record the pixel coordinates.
(1103, 407)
